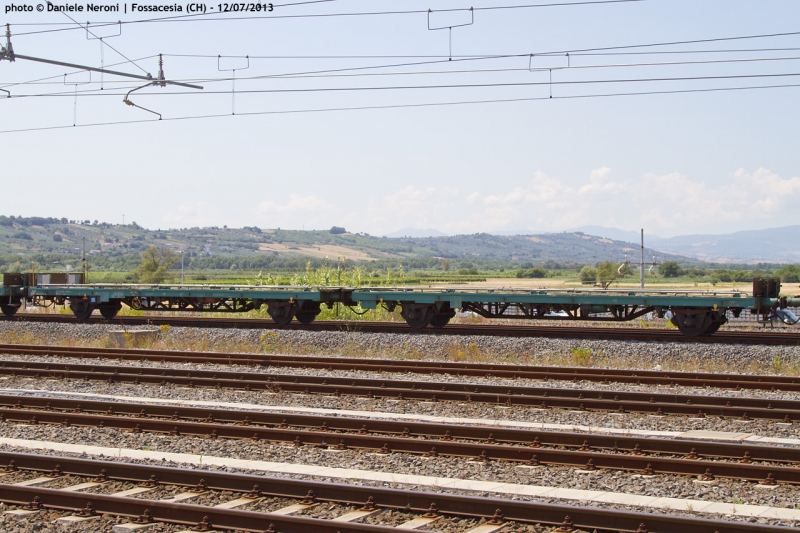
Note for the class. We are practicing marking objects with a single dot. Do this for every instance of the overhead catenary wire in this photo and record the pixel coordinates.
(403, 106)
(462, 71)
(337, 73)
(481, 56)
(36, 81)
(545, 53)
(496, 70)
(434, 87)
(368, 71)
(102, 41)
(504, 56)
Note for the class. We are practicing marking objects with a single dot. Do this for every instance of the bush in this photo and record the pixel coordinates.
(581, 356)
(694, 272)
(588, 275)
(723, 275)
(532, 273)
(732, 275)
(670, 269)
(22, 235)
(57, 238)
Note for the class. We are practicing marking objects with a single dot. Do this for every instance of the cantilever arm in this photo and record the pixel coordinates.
(8, 93)
(127, 99)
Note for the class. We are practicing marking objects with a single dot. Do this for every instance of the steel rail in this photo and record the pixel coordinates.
(512, 371)
(427, 430)
(201, 517)
(607, 333)
(536, 397)
(590, 460)
(387, 498)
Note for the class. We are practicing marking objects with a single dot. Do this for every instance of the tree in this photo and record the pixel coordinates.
(588, 275)
(607, 273)
(670, 269)
(445, 265)
(789, 273)
(336, 230)
(155, 263)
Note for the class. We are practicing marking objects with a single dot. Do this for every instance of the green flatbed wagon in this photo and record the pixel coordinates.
(693, 312)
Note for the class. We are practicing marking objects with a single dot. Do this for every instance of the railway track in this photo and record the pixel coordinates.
(604, 333)
(348, 502)
(648, 456)
(510, 371)
(426, 391)
(765, 466)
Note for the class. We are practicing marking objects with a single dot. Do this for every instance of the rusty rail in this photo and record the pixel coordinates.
(538, 397)
(483, 451)
(446, 504)
(555, 373)
(494, 330)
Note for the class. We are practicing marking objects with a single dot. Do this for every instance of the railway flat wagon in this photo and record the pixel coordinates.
(693, 312)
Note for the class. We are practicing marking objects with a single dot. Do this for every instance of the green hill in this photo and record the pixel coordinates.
(51, 241)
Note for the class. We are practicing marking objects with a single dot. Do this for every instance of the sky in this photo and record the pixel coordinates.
(359, 144)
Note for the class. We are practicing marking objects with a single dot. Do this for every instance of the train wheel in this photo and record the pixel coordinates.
(305, 317)
(692, 325)
(417, 316)
(440, 321)
(110, 310)
(9, 310)
(443, 316)
(281, 312)
(717, 320)
(308, 312)
(82, 309)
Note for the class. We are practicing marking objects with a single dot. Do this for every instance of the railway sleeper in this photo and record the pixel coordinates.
(468, 450)
(493, 510)
(514, 396)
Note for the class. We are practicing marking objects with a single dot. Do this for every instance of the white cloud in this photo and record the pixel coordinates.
(296, 204)
(192, 214)
(296, 212)
(665, 204)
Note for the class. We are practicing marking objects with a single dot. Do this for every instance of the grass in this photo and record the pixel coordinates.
(581, 356)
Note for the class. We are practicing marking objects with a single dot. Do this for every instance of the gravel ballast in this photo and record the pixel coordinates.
(643, 355)
(634, 354)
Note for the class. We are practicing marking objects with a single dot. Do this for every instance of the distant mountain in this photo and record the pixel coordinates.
(109, 243)
(569, 248)
(772, 245)
(416, 233)
(518, 232)
(119, 247)
(617, 234)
